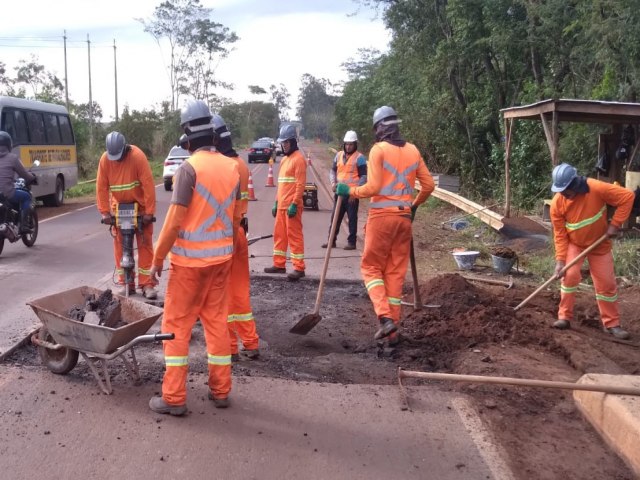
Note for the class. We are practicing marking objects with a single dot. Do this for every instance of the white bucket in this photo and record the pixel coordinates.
(466, 260)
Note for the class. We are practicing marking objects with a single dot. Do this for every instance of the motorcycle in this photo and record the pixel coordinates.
(10, 218)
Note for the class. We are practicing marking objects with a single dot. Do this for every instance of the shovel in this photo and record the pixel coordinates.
(556, 276)
(306, 323)
(251, 241)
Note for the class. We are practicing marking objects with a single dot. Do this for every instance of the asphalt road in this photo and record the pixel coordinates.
(53, 427)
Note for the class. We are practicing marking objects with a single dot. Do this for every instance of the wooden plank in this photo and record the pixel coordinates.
(493, 219)
(508, 128)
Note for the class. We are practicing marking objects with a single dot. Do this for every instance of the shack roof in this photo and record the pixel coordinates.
(586, 111)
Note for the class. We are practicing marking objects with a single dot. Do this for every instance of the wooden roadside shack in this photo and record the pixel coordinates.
(552, 112)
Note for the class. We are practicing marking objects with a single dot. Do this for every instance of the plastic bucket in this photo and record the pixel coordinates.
(502, 264)
(466, 260)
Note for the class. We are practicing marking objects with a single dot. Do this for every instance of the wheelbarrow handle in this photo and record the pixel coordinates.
(158, 337)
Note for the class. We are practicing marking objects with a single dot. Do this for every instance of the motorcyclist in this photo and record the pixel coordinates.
(10, 166)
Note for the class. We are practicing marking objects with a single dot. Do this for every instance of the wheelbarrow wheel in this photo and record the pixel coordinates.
(60, 361)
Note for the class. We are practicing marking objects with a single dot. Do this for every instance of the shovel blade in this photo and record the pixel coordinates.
(306, 323)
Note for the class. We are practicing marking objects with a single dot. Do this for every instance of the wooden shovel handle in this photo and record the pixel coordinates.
(332, 238)
(567, 267)
(417, 301)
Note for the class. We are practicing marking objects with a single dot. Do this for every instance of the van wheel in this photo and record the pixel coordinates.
(55, 199)
(1, 244)
(168, 184)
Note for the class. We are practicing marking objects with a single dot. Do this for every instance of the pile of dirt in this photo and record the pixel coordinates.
(469, 316)
(503, 252)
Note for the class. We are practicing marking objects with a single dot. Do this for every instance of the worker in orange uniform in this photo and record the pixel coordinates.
(287, 210)
(350, 167)
(199, 231)
(579, 217)
(394, 165)
(240, 317)
(124, 176)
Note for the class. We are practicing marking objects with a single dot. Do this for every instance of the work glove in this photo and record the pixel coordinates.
(612, 231)
(147, 219)
(559, 266)
(342, 189)
(413, 212)
(274, 209)
(292, 210)
(107, 219)
(244, 223)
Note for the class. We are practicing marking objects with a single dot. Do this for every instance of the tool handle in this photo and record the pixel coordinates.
(417, 301)
(559, 274)
(164, 336)
(332, 238)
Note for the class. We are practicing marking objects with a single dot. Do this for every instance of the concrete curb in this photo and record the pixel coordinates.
(615, 417)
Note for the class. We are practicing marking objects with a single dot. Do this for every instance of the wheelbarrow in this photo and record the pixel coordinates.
(61, 339)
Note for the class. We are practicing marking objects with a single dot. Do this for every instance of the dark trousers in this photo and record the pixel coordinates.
(350, 207)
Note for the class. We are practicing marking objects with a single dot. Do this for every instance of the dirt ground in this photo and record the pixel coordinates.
(473, 331)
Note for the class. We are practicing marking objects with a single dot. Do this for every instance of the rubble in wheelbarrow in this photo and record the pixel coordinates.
(101, 310)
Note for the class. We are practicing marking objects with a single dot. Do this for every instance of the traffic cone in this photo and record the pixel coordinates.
(270, 178)
(309, 158)
(252, 193)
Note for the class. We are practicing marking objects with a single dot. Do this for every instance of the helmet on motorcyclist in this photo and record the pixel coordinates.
(385, 114)
(195, 120)
(287, 132)
(350, 137)
(116, 145)
(5, 140)
(562, 176)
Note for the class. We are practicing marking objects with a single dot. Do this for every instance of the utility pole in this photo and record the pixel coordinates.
(66, 83)
(115, 74)
(90, 96)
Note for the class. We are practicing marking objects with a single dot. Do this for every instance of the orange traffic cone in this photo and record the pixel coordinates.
(252, 193)
(309, 158)
(270, 178)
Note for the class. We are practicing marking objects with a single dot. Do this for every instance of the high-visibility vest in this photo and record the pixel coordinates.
(206, 236)
(399, 167)
(347, 172)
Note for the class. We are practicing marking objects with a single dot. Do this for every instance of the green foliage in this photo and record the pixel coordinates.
(626, 254)
(249, 121)
(316, 107)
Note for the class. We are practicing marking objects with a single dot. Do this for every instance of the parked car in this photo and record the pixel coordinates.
(260, 151)
(175, 158)
(279, 149)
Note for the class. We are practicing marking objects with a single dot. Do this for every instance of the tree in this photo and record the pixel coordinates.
(44, 85)
(195, 43)
(280, 98)
(245, 128)
(316, 106)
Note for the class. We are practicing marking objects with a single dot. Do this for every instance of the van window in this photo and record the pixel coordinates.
(53, 132)
(8, 124)
(36, 128)
(22, 133)
(65, 130)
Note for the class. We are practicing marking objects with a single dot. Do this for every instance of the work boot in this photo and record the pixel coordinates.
(387, 327)
(394, 340)
(326, 245)
(122, 291)
(158, 405)
(25, 222)
(296, 275)
(149, 292)
(219, 402)
(252, 354)
(350, 246)
(618, 332)
(561, 324)
(275, 270)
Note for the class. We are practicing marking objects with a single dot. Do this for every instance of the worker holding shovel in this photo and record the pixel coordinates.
(394, 165)
(579, 216)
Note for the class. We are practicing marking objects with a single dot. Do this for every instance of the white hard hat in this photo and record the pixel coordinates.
(350, 137)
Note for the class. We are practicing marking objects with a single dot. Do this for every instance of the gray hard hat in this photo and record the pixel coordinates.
(116, 144)
(194, 110)
(220, 126)
(5, 140)
(287, 132)
(562, 176)
(384, 113)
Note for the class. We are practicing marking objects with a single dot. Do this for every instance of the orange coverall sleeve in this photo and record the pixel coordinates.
(175, 216)
(427, 185)
(616, 196)
(374, 176)
(102, 187)
(301, 179)
(560, 235)
(146, 181)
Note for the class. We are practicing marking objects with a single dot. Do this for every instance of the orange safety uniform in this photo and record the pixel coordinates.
(240, 317)
(391, 176)
(577, 224)
(126, 181)
(199, 231)
(347, 172)
(287, 231)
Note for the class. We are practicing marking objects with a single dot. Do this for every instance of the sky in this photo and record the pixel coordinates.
(279, 42)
